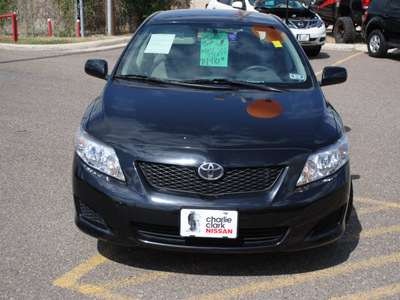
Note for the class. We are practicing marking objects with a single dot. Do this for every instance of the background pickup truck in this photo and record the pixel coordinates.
(345, 15)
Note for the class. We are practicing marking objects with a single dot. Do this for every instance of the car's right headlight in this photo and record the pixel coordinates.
(97, 155)
(325, 162)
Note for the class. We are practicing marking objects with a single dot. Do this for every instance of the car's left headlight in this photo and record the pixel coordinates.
(318, 24)
(325, 162)
(97, 155)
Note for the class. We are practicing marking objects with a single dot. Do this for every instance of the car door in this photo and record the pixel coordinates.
(392, 16)
(325, 8)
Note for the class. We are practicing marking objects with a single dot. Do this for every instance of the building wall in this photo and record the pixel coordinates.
(198, 4)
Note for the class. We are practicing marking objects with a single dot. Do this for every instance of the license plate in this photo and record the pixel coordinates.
(209, 223)
(303, 37)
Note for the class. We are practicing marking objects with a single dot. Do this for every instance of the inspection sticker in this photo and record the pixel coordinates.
(277, 44)
(297, 76)
(160, 43)
(209, 223)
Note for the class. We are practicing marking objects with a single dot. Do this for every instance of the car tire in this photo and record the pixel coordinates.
(344, 31)
(377, 44)
(312, 51)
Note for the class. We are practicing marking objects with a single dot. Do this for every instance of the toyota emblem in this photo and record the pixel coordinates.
(210, 171)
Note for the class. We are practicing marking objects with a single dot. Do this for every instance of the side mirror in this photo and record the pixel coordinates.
(97, 68)
(333, 75)
(237, 4)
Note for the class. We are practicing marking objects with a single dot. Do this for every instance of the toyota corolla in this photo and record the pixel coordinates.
(212, 134)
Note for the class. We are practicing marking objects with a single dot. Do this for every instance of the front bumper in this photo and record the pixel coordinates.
(317, 36)
(268, 221)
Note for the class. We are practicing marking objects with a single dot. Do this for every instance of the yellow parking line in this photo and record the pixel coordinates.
(389, 204)
(103, 290)
(380, 231)
(71, 278)
(99, 292)
(378, 293)
(153, 276)
(273, 284)
(341, 61)
(371, 210)
(346, 59)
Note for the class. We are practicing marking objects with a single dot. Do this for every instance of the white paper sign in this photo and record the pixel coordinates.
(160, 43)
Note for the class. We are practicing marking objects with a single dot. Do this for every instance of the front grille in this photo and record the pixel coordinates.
(89, 214)
(304, 24)
(186, 180)
(246, 237)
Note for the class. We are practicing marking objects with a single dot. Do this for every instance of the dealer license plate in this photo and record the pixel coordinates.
(303, 37)
(209, 223)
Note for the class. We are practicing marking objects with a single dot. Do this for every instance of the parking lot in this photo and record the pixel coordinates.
(44, 256)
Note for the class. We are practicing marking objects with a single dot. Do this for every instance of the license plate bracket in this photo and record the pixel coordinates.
(207, 223)
(303, 37)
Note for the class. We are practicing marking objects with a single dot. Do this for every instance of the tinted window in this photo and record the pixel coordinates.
(180, 52)
(395, 4)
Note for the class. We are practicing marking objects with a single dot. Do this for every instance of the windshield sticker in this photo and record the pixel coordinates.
(297, 77)
(232, 37)
(277, 44)
(264, 108)
(214, 49)
(269, 33)
(160, 43)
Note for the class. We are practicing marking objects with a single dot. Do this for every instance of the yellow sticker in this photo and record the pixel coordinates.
(277, 44)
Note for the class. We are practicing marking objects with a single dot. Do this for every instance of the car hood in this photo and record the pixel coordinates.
(145, 114)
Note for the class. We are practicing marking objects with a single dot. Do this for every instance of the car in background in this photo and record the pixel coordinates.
(344, 15)
(198, 145)
(381, 26)
(231, 4)
(305, 24)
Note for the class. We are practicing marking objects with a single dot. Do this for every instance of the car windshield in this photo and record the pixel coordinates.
(215, 54)
(279, 4)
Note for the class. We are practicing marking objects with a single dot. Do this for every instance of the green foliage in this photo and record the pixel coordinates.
(7, 7)
(67, 16)
(141, 9)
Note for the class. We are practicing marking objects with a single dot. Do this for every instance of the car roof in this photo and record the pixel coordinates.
(215, 16)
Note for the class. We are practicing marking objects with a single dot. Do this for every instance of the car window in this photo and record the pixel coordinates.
(227, 2)
(280, 4)
(252, 53)
(395, 4)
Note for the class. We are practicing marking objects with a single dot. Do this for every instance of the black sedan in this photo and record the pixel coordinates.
(212, 135)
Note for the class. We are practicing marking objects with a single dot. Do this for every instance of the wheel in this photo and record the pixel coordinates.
(312, 51)
(344, 30)
(377, 44)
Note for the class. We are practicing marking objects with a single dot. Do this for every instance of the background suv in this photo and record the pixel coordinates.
(381, 26)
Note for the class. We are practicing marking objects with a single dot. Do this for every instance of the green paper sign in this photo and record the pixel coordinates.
(214, 49)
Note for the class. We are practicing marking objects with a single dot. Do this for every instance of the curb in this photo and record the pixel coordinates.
(346, 47)
(106, 44)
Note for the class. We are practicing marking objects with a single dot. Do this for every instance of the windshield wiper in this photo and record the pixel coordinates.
(142, 78)
(232, 82)
(162, 81)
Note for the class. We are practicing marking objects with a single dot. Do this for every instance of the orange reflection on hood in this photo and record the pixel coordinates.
(264, 108)
(269, 33)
